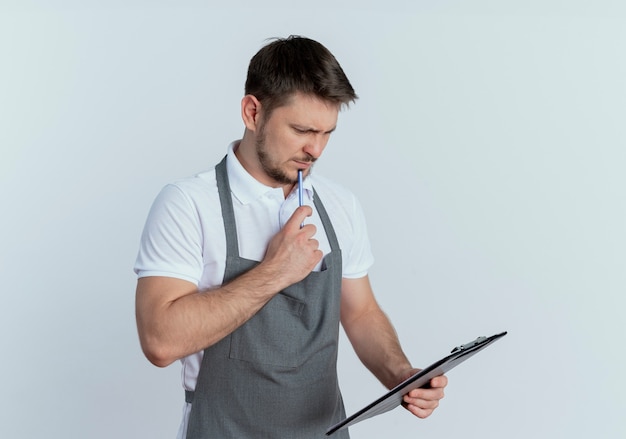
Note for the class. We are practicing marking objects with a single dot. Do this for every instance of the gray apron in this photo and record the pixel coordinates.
(276, 375)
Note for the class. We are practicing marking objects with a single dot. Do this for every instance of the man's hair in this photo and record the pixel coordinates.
(296, 64)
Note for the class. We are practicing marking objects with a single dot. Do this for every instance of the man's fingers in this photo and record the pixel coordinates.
(422, 402)
(429, 401)
(430, 393)
(298, 217)
(418, 411)
(439, 381)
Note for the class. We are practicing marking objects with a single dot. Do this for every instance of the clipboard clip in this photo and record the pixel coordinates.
(469, 345)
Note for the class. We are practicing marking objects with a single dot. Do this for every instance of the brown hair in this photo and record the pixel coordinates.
(296, 64)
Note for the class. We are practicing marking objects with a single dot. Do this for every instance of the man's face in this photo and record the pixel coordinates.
(294, 137)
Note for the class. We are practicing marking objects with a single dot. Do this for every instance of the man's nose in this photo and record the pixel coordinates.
(315, 145)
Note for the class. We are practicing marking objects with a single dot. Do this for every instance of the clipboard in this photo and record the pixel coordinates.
(393, 398)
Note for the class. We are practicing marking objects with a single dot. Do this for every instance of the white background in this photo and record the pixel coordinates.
(487, 148)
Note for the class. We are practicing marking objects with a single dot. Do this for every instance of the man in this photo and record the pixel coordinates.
(247, 288)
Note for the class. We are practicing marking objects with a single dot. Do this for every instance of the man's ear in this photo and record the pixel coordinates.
(251, 112)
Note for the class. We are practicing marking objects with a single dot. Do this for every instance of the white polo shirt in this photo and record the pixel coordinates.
(184, 234)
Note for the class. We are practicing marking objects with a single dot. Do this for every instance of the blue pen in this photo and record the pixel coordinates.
(300, 187)
(300, 191)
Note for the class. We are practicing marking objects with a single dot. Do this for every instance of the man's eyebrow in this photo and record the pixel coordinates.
(312, 130)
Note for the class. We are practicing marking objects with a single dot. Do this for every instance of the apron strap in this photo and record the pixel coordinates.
(228, 214)
(328, 227)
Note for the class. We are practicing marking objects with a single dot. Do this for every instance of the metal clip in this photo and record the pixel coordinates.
(469, 345)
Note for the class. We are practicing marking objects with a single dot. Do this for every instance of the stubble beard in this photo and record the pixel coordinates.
(270, 167)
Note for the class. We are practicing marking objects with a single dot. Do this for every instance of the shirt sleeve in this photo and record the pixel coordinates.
(171, 242)
(359, 256)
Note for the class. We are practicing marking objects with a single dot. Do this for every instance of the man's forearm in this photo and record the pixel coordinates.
(376, 343)
(192, 320)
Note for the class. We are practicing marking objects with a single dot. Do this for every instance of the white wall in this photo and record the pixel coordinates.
(487, 149)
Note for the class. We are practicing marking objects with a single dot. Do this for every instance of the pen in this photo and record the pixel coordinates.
(300, 191)
(299, 187)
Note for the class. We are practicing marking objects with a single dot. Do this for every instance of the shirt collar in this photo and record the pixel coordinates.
(245, 187)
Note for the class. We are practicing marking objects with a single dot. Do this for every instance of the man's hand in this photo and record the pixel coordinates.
(293, 252)
(422, 402)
